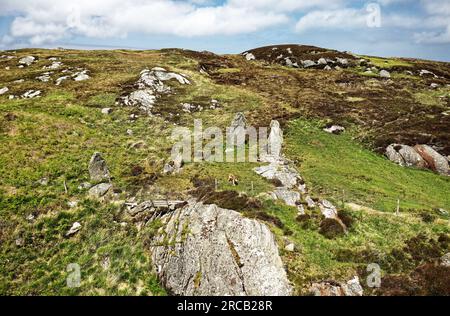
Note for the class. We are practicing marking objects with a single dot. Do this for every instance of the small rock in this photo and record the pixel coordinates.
(445, 260)
(322, 61)
(72, 204)
(20, 242)
(74, 229)
(99, 190)
(290, 247)
(434, 86)
(30, 94)
(43, 181)
(106, 111)
(30, 218)
(249, 56)
(335, 129)
(81, 76)
(384, 74)
(328, 68)
(61, 79)
(4, 90)
(308, 63)
(129, 132)
(84, 186)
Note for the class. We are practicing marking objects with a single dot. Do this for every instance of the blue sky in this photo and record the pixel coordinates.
(409, 28)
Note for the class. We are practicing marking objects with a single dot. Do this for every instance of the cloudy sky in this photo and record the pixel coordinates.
(410, 28)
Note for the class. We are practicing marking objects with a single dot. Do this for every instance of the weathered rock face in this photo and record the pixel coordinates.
(150, 86)
(205, 250)
(98, 169)
(419, 156)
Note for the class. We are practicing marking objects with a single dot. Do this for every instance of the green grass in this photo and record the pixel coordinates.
(387, 63)
(337, 167)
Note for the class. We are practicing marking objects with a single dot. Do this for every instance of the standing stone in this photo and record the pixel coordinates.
(275, 140)
(98, 169)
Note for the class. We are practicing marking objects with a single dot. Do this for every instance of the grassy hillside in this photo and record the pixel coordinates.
(46, 144)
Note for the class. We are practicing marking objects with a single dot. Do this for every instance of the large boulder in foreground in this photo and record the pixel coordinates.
(206, 250)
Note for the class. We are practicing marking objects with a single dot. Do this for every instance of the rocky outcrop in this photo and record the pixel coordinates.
(27, 61)
(150, 86)
(206, 250)
(98, 170)
(290, 185)
(419, 156)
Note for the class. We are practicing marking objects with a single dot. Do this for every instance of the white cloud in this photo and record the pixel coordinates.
(50, 20)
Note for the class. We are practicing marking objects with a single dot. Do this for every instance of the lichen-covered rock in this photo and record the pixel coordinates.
(98, 170)
(206, 250)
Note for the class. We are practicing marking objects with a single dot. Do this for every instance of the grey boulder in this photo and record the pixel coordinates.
(98, 170)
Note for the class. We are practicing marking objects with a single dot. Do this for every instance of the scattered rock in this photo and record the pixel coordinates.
(445, 260)
(81, 76)
(27, 61)
(384, 74)
(61, 79)
(335, 129)
(217, 251)
(434, 86)
(427, 73)
(331, 288)
(4, 90)
(54, 65)
(308, 63)
(106, 110)
(20, 242)
(72, 204)
(174, 165)
(249, 56)
(99, 190)
(44, 77)
(290, 247)
(43, 181)
(30, 94)
(74, 229)
(98, 169)
(327, 68)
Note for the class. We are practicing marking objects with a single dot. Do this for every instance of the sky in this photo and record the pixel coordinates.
(401, 28)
